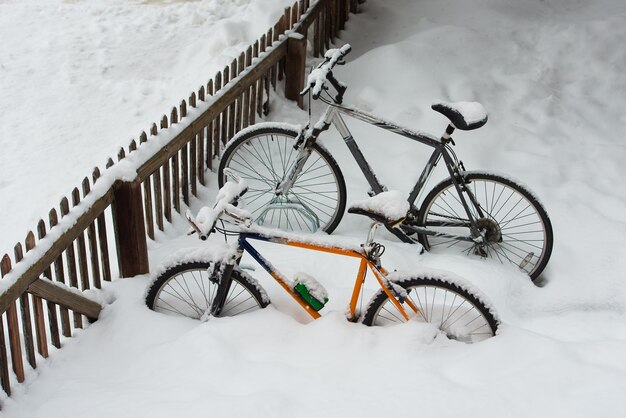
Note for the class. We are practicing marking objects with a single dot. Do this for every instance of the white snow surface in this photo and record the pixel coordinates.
(79, 79)
(551, 75)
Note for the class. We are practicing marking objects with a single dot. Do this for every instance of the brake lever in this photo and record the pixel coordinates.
(195, 228)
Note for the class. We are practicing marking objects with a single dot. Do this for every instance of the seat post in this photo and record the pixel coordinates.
(447, 135)
(372, 233)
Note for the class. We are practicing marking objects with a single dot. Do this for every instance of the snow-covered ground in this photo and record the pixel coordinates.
(79, 79)
(551, 74)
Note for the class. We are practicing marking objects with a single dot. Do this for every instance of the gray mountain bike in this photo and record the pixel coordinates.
(296, 184)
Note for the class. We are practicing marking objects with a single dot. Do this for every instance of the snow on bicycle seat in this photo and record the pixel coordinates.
(387, 207)
(463, 115)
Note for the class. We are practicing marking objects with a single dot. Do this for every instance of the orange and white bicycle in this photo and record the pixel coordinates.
(211, 283)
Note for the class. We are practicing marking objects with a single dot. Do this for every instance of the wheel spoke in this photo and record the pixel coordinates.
(514, 224)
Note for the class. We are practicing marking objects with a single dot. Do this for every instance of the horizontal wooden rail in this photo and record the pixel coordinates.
(222, 100)
(35, 270)
(46, 289)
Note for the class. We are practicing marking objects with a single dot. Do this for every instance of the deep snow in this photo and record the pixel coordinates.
(551, 75)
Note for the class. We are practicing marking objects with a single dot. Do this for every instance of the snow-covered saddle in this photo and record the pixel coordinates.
(387, 207)
(463, 115)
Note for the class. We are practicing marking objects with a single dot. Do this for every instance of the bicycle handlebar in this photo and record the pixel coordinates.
(225, 203)
(318, 77)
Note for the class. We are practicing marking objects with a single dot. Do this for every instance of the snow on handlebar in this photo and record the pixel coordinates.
(317, 78)
(225, 201)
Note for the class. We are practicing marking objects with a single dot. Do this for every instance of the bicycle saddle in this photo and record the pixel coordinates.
(463, 115)
(387, 207)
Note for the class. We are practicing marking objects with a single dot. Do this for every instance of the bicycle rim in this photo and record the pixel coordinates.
(517, 227)
(317, 198)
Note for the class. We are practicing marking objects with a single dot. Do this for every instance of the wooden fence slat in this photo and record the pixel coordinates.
(13, 328)
(232, 109)
(224, 133)
(167, 194)
(276, 31)
(27, 324)
(121, 154)
(93, 245)
(184, 174)
(53, 319)
(183, 110)
(193, 154)
(148, 206)
(327, 22)
(287, 19)
(193, 161)
(204, 149)
(5, 381)
(156, 182)
(40, 319)
(103, 243)
(158, 198)
(248, 101)
(296, 61)
(295, 15)
(59, 275)
(71, 262)
(282, 27)
(256, 87)
(82, 249)
(316, 37)
(175, 169)
(239, 117)
(132, 146)
(217, 129)
(184, 162)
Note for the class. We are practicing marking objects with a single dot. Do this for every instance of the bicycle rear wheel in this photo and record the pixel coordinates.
(189, 289)
(262, 155)
(454, 310)
(517, 227)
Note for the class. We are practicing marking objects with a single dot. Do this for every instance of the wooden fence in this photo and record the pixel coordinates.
(45, 279)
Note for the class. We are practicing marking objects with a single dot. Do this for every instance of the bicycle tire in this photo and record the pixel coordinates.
(261, 155)
(518, 227)
(187, 290)
(455, 310)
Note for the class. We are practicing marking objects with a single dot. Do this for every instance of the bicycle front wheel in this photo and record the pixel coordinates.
(517, 227)
(263, 155)
(188, 290)
(457, 312)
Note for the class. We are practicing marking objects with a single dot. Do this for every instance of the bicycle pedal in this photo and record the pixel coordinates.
(310, 290)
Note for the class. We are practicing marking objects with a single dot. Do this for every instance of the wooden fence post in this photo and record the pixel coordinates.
(294, 67)
(130, 229)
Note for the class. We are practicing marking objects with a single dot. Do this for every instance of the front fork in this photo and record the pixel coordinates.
(283, 187)
(222, 276)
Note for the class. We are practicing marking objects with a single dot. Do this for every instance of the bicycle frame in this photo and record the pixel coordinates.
(332, 116)
(367, 261)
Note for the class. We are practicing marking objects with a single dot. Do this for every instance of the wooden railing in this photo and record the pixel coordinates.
(166, 166)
